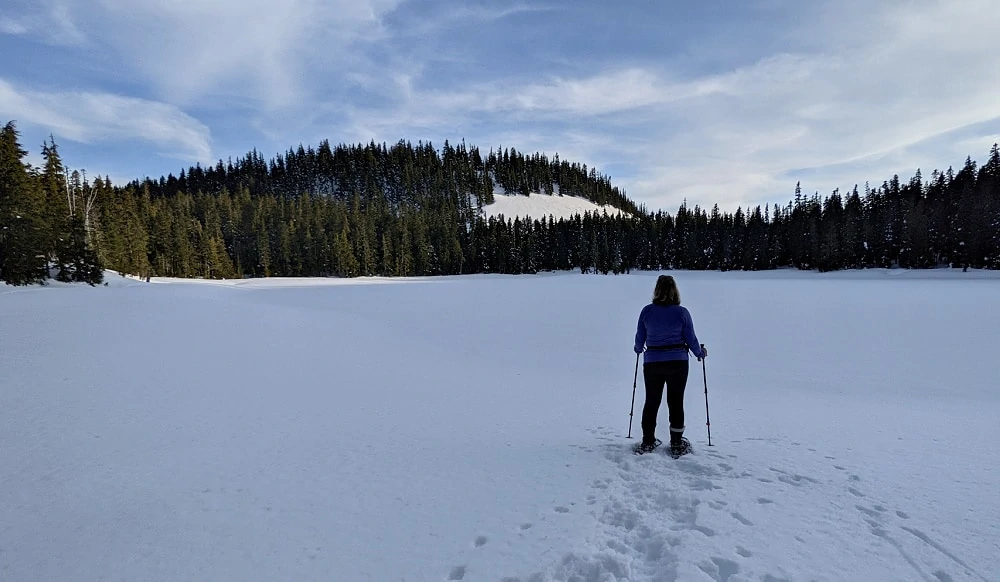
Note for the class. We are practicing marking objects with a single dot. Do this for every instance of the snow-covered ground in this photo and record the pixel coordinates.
(473, 428)
(539, 206)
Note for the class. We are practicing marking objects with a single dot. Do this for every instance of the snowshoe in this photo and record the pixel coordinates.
(643, 448)
(680, 448)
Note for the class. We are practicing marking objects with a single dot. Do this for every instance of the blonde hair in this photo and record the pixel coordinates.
(665, 292)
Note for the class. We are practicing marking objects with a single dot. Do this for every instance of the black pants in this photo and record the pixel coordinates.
(655, 374)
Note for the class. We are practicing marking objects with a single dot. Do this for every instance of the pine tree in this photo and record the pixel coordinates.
(853, 232)
(831, 254)
(23, 240)
(989, 184)
(77, 261)
(55, 211)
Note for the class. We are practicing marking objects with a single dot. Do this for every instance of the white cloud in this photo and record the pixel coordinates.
(604, 93)
(65, 30)
(490, 13)
(846, 115)
(8, 26)
(554, 99)
(50, 19)
(880, 88)
(89, 117)
(861, 107)
(608, 92)
(439, 19)
(248, 49)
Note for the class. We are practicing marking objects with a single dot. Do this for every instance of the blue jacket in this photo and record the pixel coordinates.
(665, 325)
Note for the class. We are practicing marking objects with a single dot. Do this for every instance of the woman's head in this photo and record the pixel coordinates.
(665, 292)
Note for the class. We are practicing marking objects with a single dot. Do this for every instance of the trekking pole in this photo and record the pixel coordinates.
(631, 410)
(708, 423)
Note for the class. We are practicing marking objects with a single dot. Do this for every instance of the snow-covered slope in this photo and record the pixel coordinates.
(473, 428)
(538, 206)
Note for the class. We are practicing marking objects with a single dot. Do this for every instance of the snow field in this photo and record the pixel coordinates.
(472, 428)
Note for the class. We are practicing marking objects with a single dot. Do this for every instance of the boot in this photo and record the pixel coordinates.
(648, 445)
(678, 444)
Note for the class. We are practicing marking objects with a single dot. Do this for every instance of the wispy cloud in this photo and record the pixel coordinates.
(611, 92)
(693, 106)
(847, 114)
(8, 26)
(268, 52)
(50, 20)
(65, 30)
(840, 115)
(488, 13)
(193, 51)
(439, 19)
(89, 117)
(554, 100)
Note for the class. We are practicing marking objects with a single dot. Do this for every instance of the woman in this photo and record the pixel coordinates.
(667, 333)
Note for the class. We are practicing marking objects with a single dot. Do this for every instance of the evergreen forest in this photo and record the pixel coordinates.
(408, 210)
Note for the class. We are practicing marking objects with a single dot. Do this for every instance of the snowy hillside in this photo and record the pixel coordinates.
(538, 206)
(473, 428)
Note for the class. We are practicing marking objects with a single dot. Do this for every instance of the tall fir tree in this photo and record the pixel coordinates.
(24, 236)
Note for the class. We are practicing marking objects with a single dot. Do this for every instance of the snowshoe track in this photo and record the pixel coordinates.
(713, 516)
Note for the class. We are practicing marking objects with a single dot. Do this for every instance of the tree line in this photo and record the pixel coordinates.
(415, 210)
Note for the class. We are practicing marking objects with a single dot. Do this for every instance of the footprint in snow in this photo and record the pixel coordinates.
(743, 552)
(561, 509)
(792, 478)
(903, 515)
(795, 480)
(720, 569)
(457, 573)
(736, 515)
(525, 526)
(480, 541)
(764, 500)
(866, 511)
(703, 485)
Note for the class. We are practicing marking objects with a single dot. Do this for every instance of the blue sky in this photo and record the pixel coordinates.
(727, 102)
